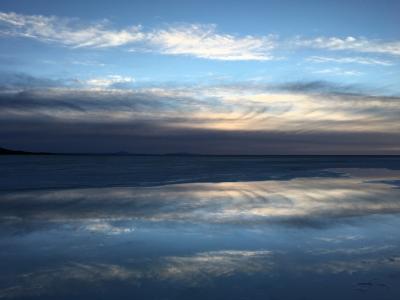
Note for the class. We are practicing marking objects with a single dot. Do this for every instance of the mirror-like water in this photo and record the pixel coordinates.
(315, 232)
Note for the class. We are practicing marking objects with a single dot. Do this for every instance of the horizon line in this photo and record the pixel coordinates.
(8, 151)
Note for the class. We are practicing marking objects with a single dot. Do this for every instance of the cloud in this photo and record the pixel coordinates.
(338, 72)
(204, 42)
(196, 40)
(68, 32)
(319, 87)
(349, 60)
(89, 63)
(219, 108)
(268, 117)
(18, 81)
(113, 81)
(356, 44)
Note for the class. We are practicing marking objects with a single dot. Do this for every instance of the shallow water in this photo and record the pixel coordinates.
(199, 228)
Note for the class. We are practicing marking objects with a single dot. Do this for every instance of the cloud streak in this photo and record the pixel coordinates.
(204, 42)
(350, 60)
(195, 40)
(357, 44)
(338, 72)
(66, 31)
(113, 81)
(300, 113)
(218, 107)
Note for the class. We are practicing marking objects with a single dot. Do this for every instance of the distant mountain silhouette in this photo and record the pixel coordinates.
(4, 151)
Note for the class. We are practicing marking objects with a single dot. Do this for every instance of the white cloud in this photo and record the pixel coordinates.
(197, 40)
(351, 43)
(204, 42)
(67, 31)
(89, 63)
(201, 41)
(339, 72)
(349, 60)
(109, 81)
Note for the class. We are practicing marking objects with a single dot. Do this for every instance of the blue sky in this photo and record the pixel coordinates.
(312, 76)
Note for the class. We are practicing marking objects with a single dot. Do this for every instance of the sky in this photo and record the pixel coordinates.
(210, 77)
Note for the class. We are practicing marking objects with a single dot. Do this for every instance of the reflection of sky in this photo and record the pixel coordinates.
(232, 240)
(301, 201)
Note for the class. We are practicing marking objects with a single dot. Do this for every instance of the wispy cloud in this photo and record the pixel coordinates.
(197, 40)
(349, 60)
(88, 63)
(113, 81)
(357, 44)
(290, 107)
(68, 32)
(204, 42)
(201, 41)
(338, 72)
(270, 119)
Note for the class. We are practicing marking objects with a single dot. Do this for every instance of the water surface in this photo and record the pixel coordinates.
(107, 227)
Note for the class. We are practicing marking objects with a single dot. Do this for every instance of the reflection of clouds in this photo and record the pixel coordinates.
(306, 201)
(354, 265)
(340, 238)
(352, 251)
(99, 226)
(199, 267)
(189, 270)
(45, 281)
(372, 173)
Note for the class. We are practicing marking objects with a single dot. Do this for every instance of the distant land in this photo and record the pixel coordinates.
(6, 151)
